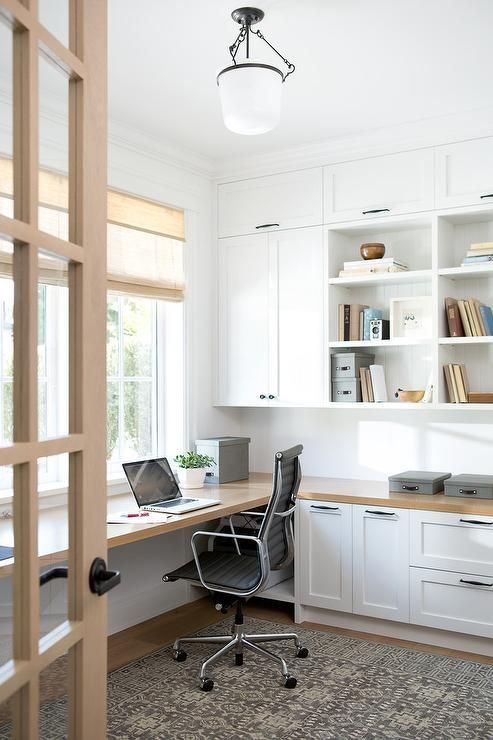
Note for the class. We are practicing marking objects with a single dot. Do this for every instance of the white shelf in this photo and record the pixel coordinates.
(465, 340)
(375, 343)
(385, 405)
(385, 278)
(467, 272)
(283, 591)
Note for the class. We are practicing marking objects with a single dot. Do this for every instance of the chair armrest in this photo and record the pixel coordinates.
(262, 551)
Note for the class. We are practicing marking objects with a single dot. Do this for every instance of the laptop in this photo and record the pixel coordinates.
(155, 488)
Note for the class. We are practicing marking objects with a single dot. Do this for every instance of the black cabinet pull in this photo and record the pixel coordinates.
(410, 488)
(376, 210)
(380, 513)
(262, 396)
(271, 396)
(50, 575)
(475, 583)
(343, 367)
(265, 226)
(102, 580)
(468, 491)
(325, 508)
(344, 393)
(475, 521)
(488, 195)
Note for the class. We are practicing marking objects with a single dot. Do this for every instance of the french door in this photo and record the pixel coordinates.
(40, 58)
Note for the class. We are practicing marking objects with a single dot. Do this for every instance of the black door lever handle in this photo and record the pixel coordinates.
(102, 580)
(49, 575)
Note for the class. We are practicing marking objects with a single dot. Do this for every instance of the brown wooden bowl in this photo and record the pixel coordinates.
(372, 251)
(409, 396)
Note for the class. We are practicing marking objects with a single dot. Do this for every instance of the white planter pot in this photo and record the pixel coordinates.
(191, 477)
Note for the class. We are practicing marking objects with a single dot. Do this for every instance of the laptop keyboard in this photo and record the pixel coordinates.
(177, 502)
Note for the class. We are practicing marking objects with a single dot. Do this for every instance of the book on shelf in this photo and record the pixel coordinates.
(487, 316)
(372, 271)
(370, 267)
(378, 384)
(468, 317)
(455, 328)
(480, 397)
(366, 385)
(457, 382)
(350, 322)
(480, 258)
(465, 318)
(481, 247)
(479, 252)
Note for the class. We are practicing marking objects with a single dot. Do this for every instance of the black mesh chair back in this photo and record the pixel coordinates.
(277, 527)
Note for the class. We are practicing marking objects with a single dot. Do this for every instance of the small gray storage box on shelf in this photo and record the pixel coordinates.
(470, 486)
(418, 481)
(230, 454)
(345, 372)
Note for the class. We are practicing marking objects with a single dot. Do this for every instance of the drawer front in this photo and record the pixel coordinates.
(348, 364)
(346, 391)
(452, 601)
(454, 542)
(325, 555)
(283, 201)
(379, 186)
(465, 173)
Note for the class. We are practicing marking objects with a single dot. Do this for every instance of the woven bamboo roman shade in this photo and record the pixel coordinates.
(145, 238)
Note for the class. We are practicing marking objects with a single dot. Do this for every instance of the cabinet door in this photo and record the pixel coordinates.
(452, 601)
(297, 259)
(285, 201)
(380, 186)
(325, 555)
(243, 320)
(457, 542)
(465, 173)
(381, 562)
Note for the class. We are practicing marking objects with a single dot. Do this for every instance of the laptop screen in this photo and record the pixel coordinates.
(152, 481)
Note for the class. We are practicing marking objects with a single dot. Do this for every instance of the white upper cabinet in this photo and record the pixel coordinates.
(379, 186)
(243, 321)
(381, 562)
(283, 201)
(465, 173)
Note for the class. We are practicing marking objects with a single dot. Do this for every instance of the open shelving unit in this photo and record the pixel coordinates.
(433, 246)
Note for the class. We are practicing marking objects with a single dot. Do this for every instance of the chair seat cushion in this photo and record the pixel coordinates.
(225, 569)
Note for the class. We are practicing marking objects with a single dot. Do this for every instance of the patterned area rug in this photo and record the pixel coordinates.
(347, 689)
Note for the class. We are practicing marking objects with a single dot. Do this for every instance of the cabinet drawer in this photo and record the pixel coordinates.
(325, 555)
(452, 601)
(380, 186)
(465, 173)
(281, 201)
(456, 542)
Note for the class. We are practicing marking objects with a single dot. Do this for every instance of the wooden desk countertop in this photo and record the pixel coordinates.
(247, 494)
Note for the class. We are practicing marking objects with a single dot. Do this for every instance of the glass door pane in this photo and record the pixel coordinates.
(6, 120)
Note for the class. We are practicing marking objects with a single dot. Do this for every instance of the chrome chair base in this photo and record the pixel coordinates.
(239, 640)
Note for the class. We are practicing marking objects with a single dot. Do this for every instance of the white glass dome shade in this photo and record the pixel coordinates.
(251, 95)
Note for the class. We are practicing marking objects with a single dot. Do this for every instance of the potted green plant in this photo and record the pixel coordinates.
(192, 468)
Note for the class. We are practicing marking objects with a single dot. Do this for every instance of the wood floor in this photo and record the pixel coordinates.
(149, 636)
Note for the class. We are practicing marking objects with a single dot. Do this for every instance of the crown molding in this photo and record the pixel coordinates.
(414, 135)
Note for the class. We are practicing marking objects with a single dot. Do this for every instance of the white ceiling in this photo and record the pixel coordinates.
(359, 66)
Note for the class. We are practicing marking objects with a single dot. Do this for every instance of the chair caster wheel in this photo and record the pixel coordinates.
(179, 655)
(206, 684)
(302, 652)
(238, 658)
(290, 682)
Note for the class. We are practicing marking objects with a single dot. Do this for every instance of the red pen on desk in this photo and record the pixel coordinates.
(139, 513)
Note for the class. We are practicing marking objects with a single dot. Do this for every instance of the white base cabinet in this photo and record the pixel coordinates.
(452, 601)
(381, 562)
(325, 555)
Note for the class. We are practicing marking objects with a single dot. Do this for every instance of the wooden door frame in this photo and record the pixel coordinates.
(83, 635)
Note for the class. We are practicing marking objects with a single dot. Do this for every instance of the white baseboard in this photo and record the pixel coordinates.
(398, 630)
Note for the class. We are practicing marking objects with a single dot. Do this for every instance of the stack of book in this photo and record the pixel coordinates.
(373, 386)
(457, 383)
(354, 321)
(468, 317)
(368, 267)
(478, 253)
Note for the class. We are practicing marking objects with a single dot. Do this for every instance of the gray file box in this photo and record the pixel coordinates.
(418, 481)
(470, 486)
(348, 364)
(230, 454)
(346, 390)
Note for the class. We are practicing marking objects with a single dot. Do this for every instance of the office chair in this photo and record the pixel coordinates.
(234, 576)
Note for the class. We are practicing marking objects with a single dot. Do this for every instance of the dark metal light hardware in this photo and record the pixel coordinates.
(266, 226)
(247, 17)
(475, 521)
(468, 491)
(410, 488)
(380, 513)
(262, 396)
(102, 580)
(49, 575)
(271, 396)
(488, 195)
(325, 508)
(476, 583)
(376, 210)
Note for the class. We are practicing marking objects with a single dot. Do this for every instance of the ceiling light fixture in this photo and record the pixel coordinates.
(250, 90)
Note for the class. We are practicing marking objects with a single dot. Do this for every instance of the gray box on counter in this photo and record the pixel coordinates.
(470, 486)
(348, 364)
(418, 481)
(346, 390)
(230, 455)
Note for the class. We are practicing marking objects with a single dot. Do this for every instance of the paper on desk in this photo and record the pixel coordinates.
(155, 517)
